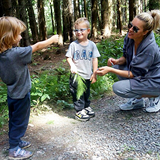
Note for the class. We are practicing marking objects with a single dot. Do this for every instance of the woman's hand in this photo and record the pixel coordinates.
(103, 70)
(112, 61)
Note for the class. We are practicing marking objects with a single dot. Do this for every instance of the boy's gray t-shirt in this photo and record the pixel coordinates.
(82, 57)
(14, 71)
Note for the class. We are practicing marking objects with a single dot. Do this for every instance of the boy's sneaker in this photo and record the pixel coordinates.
(89, 112)
(24, 144)
(19, 154)
(154, 104)
(82, 116)
(133, 103)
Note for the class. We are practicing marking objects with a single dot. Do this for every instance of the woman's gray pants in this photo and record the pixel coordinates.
(123, 88)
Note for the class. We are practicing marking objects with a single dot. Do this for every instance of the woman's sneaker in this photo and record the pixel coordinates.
(82, 116)
(133, 103)
(24, 144)
(89, 112)
(154, 104)
(19, 154)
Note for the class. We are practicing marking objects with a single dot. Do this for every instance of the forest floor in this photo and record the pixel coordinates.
(111, 135)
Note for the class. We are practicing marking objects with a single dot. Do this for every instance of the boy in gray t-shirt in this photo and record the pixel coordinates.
(82, 58)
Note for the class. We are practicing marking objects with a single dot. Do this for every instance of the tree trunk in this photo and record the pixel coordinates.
(32, 21)
(58, 20)
(85, 9)
(94, 19)
(23, 16)
(52, 17)
(41, 20)
(65, 21)
(119, 16)
(76, 10)
(15, 8)
(106, 15)
(131, 7)
(71, 20)
(6, 7)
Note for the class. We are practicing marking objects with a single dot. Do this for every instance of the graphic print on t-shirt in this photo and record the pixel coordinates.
(82, 56)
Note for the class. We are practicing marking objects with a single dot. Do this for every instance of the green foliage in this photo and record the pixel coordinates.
(110, 48)
(103, 85)
(157, 38)
(50, 86)
(3, 104)
(81, 87)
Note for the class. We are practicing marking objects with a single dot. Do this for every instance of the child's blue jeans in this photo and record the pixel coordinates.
(19, 112)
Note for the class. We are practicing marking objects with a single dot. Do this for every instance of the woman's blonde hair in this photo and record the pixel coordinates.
(10, 28)
(151, 19)
(82, 20)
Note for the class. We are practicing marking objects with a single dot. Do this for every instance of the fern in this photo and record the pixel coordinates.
(81, 87)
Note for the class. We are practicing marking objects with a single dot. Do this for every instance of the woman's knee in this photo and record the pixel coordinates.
(121, 88)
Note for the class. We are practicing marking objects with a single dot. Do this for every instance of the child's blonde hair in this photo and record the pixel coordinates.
(82, 20)
(10, 28)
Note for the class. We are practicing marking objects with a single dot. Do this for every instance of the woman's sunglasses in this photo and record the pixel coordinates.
(135, 29)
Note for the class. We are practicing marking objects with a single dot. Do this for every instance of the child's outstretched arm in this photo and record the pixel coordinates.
(93, 78)
(42, 44)
(73, 68)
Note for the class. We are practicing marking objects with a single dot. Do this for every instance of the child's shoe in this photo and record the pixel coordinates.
(89, 112)
(24, 144)
(154, 104)
(82, 116)
(19, 154)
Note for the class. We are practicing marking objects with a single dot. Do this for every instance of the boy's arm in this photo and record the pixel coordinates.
(40, 45)
(95, 66)
(73, 68)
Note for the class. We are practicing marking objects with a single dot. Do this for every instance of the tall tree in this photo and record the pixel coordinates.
(6, 7)
(94, 19)
(1, 9)
(65, 20)
(154, 4)
(58, 20)
(106, 16)
(51, 8)
(131, 10)
(23, 16)
(41, 20)
(76, 10)
(85, 9)
(119, 16)
(32, 21)
(124, 12)
(15, 8)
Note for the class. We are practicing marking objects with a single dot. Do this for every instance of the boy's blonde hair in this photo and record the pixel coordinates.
(82, 20)
(10, 28)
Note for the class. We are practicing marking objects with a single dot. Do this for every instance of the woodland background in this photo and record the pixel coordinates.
(45, 17)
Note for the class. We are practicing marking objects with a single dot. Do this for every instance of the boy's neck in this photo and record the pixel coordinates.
(83, 42)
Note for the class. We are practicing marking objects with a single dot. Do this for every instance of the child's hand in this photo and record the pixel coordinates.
(55, 38)
(73, 69)
(93, 78)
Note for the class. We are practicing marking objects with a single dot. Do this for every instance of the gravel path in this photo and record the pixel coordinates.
(111, 135)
